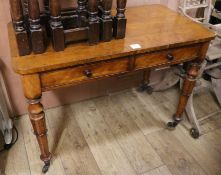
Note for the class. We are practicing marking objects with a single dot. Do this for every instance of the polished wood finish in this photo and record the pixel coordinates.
(19, 27)
(190, 81)
(55, 8)
(161, 58)
(94, 23)
(82, 13)
(31, 86)
(160, 35)
(46, 6)
(64, 26)
(25, 8)
(16, 10)
(57, 30)
(79, 74)
(37, 117)
(33, 93)
(120, 20)
(37, 33)
(188, 86)
(106, 20)
(163, 43)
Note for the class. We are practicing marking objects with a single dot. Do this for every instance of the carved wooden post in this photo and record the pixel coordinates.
(46, 6)
(82, 13)
(25, 12)
(38, 39)
(120, 20)
(146, 77)
(94, 24)
(188, 85)
(25, 5)
(19, 27)
(45, 17)
(106, 20)
(187, 89)
(32, 91)
(57, 30)
(145, 82)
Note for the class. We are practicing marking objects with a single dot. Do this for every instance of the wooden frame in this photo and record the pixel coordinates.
(91, 21)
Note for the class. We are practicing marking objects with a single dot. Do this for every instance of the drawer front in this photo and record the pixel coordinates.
(50, 80)
(167, 57)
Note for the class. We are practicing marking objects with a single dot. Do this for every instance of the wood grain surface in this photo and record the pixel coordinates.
(152, 35)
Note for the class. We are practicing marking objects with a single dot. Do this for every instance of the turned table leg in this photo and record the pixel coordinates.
(19, 27)
(57, 30)
(38, 35)
(37, 118)
(120, 20)
(145, 82)
(187, 89)
(32, 91)
(94, 24)
(106, 20)
(188, 85)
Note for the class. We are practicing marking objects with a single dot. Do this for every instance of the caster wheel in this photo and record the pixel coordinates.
(145, 87)
(149, 90)
(142, 88)
(171, 125)
(45, 168)
(194, 133)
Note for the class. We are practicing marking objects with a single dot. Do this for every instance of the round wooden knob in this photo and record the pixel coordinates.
(170, 57)
(88, 73)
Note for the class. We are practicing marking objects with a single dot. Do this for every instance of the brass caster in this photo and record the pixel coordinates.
(46, 167)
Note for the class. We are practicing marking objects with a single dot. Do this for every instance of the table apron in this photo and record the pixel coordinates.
(89, 72)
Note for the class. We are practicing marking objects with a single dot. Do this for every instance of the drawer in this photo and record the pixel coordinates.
(72, 75)
(167, 57)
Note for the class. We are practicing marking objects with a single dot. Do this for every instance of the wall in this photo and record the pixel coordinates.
(58, 97)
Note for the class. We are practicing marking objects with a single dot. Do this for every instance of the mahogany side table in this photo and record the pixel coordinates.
(163, 38)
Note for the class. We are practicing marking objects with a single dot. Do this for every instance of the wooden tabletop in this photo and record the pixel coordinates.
(153, 27)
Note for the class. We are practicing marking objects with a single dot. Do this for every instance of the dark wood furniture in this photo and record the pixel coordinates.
(91, 20)
(165, 37)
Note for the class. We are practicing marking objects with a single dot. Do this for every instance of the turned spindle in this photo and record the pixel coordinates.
(37, 118)
(188, 85)
(57, 30)
(145, 82)
(192, 71)
(120, 20)
(94, 24)
(46, 6)
(82, 13)
(19, 27)
(25, 9)
(32, 90)
(45, 17)
(37, 32)
(106, 20)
